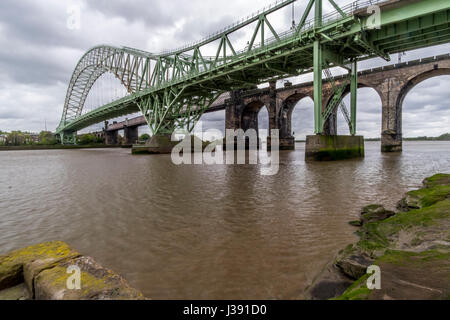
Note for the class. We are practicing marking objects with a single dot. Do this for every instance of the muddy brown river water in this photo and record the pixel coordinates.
(202, 232)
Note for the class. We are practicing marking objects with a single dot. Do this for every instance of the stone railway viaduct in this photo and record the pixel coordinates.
(392, 83)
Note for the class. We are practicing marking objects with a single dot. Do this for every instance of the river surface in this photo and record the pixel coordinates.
(202, 232)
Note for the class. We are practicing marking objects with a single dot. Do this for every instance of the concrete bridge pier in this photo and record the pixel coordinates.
(390, 90)
(131, 135)
(391, 142)
(240, 116)
(287, 140)
(68, 138)
(111, 137)
(160, 144)
(242, 112)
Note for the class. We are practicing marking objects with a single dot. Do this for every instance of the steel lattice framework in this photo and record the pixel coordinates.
(172, 89)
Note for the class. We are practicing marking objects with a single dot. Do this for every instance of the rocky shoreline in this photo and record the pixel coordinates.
(411, 247)
(43, 272)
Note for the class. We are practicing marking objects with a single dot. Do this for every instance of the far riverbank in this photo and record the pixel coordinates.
(56, 147)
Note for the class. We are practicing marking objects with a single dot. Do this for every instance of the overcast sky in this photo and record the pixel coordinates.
(38, 53)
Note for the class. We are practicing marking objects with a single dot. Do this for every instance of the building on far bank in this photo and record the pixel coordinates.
(32, 137)
(3, 138)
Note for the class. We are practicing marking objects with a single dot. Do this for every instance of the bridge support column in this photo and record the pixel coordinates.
(279, 120)
(159, 144)
(131, 135)
(318, 67)
(234, 119)
(233, 111)
(353, 96)
(330, 125)
(391, 135)
(287, 140)
(318, 119)
(163, 144)
(68, 138)
(111, 137)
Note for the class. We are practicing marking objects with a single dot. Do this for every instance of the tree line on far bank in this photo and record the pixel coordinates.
(19, 138)
(443, 137)
(47, 138)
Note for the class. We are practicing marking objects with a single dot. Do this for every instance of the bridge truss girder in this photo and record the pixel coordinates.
(169, 110)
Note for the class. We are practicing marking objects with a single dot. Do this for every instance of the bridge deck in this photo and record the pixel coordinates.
(221, 103)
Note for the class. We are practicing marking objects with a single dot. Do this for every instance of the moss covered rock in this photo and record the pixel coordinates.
(436, 188)
(412, 247)
(407, 275)
(375, 212)
(440, 179)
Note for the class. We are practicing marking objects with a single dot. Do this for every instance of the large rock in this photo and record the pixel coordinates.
(374, 213)
(354, 266)
(409, 203)
(330, 283)
(12, 265)
(353, 262)
(43, 270)
(97, 283)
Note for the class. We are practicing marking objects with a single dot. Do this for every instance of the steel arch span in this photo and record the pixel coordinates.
(133, 68)
(172, 89)
(124, 63)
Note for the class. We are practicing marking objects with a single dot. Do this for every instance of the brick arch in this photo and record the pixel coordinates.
(411, 83)
(249, 117)
(361, 85)
(331, 124)
(285, 114)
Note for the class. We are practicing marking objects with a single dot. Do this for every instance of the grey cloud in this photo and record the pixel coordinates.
(153, 14)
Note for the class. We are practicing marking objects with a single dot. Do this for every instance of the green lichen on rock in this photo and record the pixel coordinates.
(374, 213)
(355, 223)
(43, 269)
(440, 179)
(399, 257)
(427, 196)
(436, 188)
(96, 282)
(12, 265)
(357, 291)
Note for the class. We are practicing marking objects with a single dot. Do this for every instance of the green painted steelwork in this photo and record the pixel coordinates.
(353, 96)
(173, 88)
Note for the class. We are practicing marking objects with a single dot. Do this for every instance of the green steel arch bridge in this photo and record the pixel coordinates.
(172, 89)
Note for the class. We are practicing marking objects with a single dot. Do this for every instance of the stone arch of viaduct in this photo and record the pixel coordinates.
(392, 83)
